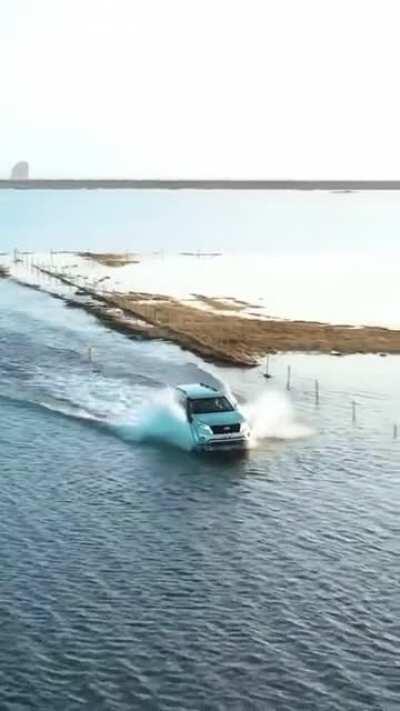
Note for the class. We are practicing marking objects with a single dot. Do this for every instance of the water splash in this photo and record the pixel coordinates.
(160, 419)
(140, 417)
(272, 416)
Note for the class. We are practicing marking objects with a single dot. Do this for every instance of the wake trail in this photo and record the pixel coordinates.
(138, 413)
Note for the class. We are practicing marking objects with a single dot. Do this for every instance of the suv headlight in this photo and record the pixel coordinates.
(204, 429)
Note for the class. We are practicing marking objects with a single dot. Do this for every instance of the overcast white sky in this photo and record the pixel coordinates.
(201, 88)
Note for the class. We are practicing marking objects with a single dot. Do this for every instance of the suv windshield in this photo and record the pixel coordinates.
(209, 404)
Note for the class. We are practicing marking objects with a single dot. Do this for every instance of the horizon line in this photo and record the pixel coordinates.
(192, 183)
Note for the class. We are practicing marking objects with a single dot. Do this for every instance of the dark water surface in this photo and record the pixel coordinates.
(135, 575)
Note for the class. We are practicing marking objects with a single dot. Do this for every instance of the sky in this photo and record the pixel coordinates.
(200, 88)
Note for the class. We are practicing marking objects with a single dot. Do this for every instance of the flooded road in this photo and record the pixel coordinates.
(135, 574)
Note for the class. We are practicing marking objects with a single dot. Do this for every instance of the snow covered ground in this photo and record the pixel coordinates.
(355, 290)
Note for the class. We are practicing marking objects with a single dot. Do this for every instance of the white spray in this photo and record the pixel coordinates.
(272, 416)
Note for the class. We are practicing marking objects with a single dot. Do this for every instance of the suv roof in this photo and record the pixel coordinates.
(199, 390)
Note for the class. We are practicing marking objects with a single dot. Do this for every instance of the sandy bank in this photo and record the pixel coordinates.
(216, 335)
(110, 259)
(173, 298)
(232, 339)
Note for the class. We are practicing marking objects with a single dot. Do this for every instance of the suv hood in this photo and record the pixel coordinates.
(219, 418)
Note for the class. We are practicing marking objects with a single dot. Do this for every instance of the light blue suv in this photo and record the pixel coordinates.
(215, 419)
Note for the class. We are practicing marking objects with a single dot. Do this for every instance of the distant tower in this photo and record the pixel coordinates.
(20, 171)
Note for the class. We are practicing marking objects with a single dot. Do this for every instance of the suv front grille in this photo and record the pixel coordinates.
(225, 429)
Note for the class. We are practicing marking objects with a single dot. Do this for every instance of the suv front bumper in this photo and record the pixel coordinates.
(214, 444)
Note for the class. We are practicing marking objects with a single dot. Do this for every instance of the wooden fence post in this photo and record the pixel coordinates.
(267, 373)
(289, 375)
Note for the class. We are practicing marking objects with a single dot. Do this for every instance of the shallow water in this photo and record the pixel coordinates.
(137, 575)
(314, 255)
